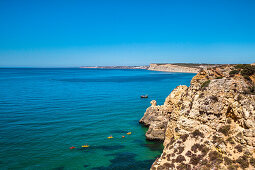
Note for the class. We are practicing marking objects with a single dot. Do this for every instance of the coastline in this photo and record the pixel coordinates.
(171, 71)
(116, 67)
(204, 123)
(174, 67)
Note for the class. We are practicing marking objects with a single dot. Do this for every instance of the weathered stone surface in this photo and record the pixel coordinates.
(209, 125)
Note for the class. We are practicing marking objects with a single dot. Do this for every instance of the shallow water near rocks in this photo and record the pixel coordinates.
(43, 112)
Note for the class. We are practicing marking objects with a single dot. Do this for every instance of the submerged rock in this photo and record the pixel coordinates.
(209, 125)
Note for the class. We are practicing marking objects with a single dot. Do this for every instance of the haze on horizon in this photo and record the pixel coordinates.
(76, 33)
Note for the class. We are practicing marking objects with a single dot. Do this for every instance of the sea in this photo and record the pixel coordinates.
(45, 111)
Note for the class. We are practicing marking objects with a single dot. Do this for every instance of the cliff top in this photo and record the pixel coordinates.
(193, 65)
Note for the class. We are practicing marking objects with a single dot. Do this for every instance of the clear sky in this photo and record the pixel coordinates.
(60, 33)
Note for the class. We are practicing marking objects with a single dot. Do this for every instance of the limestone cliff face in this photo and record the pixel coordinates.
(172, 68)
(209, 125)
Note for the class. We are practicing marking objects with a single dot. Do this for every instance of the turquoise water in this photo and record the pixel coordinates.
(43, 112)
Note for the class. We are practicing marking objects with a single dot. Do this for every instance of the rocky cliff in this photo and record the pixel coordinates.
(173, 68)
(208, 125)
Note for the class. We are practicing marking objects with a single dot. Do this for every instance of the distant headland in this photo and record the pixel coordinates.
(116, 67)
(166, 67)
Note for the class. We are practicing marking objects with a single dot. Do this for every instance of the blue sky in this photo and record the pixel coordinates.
(125, 32)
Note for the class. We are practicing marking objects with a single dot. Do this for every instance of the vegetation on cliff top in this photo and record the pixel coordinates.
(246, 70)
(205, 84)
(192, 65)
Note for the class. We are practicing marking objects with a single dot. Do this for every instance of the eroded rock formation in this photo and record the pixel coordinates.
(208, 125)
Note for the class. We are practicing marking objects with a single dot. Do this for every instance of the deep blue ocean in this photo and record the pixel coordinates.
(43, 112)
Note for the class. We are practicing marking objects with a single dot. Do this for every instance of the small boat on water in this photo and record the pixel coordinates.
(85, 146)
(110, 137)
(144, 96)
(72, 147)
(129, 133)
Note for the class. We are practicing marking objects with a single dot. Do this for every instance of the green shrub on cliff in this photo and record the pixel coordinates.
(205, 84)
(240, 66)
(252, 162)
(225, 129)
(197, 133)
(252, 90)
(243, 161)
(233, 72)
(216, 157)
(246, 70)
(214, 98)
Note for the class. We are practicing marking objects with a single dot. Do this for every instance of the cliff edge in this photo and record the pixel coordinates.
(208, 125)
(174, 68)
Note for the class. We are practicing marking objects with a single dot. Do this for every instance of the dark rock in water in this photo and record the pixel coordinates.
(59, 168)
(100, 168)
(122, 155)
(110, 148)
(118, 131)
(102, 147)
(153, 146)
(126, 161)
(139, 141)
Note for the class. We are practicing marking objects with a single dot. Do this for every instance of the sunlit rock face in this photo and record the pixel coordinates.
(209, 125)
(172, 68)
